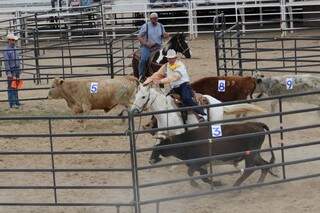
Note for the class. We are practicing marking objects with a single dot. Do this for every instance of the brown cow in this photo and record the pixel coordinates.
(85, 95)
(236, 87)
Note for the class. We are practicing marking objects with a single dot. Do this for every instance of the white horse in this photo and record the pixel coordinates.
(153, 100)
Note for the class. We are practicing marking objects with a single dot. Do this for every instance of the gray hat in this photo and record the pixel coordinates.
(153, 15)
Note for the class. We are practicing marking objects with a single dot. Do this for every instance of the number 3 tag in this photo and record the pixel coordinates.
(216, 131)
(221, 86)
(94, 87)
(289, 83)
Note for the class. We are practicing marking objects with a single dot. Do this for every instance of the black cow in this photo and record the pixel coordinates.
(218, 148)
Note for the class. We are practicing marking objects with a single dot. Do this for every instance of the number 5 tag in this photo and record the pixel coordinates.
(216, 131)
(221, 86)
(94, 87)
(289, 83)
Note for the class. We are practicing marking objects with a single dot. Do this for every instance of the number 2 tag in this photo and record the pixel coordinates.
(221, 86)
(289, 83)
(94, 87)
(216, 131)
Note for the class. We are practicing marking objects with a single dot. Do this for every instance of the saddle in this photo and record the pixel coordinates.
(197, 97)
(151, 66)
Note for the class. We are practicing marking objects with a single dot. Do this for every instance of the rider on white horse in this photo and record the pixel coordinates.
(174, 72)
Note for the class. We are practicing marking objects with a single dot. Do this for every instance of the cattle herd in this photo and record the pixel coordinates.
(83, 96)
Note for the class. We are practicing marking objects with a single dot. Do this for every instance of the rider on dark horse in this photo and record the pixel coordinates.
(150, 36)
(175, 73)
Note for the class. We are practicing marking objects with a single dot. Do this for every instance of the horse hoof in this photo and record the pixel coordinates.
(154, 161)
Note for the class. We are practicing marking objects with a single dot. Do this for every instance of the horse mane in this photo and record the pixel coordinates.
(168, 97)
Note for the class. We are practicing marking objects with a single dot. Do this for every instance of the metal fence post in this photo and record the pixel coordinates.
(134, 165)
(281, 118)
(111, 58)
(123, 57)
(281, 137)
(210, 150)
(52, 163)
(295, 57)
(36, 55)
(239, 49)
(216, 44)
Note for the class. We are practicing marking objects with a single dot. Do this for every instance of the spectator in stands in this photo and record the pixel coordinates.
(12, 69)
(150, 37)
(53, 4)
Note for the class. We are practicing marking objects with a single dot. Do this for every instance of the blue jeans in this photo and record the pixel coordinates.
(185, 91)
(12, 94)
(145, 54)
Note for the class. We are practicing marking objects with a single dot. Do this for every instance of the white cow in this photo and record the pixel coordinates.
(289, 84)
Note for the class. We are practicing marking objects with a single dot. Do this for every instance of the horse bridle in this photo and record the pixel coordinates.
(145, 104)
(180, 45)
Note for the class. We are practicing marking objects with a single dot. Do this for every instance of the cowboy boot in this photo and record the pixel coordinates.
(199, 117)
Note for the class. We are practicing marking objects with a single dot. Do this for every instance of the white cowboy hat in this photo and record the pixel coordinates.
(171, 54)
(12, 36)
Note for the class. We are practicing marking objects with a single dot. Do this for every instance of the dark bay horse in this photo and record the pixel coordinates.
(176, 42)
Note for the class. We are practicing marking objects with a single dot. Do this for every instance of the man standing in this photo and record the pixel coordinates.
(150, 37)
(12, 68)
(175, 73)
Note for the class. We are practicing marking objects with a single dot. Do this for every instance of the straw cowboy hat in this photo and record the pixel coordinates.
(171, 54)
(11, 36)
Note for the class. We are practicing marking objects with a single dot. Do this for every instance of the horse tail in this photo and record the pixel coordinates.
(242, 108)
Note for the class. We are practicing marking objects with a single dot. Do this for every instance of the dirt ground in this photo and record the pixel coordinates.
(292, 197)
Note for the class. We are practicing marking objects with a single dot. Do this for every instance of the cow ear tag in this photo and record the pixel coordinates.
(93, 87)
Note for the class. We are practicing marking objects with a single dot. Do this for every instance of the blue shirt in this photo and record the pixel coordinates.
(155, 33)
(11, 61)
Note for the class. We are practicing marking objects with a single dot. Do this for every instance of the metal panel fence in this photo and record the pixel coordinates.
(239, 53)
(64, 54)
(195, 16)
(192, 17)
(59, 161)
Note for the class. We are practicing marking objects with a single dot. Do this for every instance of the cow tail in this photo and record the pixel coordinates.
(273, 158)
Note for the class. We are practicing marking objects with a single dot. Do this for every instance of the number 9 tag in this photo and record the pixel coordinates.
(289, 83)
(221, 86)
(94, 87)
(216, 131)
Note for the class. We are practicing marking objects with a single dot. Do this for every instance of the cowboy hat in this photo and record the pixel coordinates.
(11, 36)
(171, 54)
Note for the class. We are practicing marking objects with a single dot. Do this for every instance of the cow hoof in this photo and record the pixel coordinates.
(154, 161)
(217, 183)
